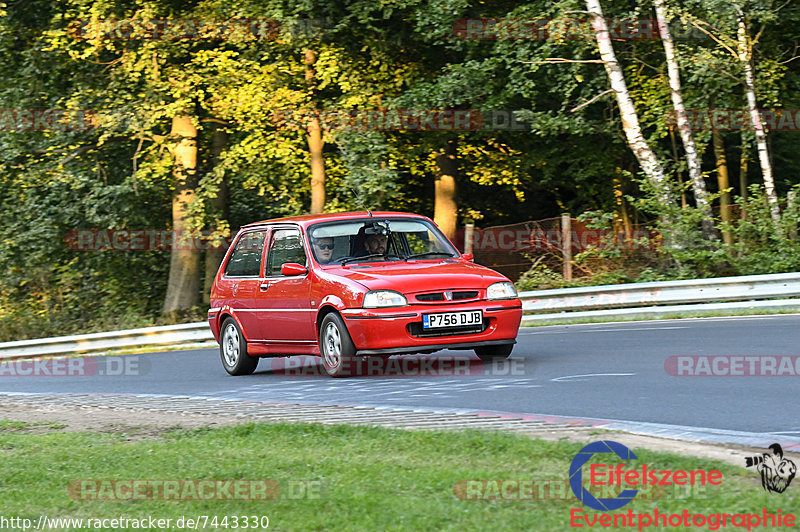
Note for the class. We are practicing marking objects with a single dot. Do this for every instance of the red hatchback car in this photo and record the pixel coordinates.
(350, 285)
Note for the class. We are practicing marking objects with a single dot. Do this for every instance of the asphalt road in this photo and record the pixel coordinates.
(606, 371)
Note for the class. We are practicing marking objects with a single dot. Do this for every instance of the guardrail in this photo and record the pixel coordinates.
(108, 341)
(663, 297)
(611, 301)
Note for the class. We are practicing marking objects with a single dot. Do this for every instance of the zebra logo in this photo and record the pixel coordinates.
(776, 471)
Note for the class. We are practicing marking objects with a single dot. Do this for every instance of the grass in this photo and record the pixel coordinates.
(6, 425)
(360, 478)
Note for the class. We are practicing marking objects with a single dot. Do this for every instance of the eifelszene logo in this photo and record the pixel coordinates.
(616, 475)
(776, 471)
(576, 475)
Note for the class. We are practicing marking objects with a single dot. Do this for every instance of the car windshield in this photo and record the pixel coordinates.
(378, 239)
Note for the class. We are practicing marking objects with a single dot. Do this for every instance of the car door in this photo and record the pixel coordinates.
(241, 279)
(284, 301)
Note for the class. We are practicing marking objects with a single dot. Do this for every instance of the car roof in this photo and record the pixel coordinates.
(308, 219)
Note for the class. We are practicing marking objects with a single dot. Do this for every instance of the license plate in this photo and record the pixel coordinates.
(451, 319)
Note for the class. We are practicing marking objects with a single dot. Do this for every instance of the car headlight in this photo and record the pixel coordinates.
(502, 290)
(384, 298)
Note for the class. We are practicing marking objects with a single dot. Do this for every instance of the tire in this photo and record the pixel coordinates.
(233, 350)
(490, 353)
(336, 347)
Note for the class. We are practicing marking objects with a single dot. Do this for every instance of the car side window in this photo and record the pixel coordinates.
(245, 259)
(286, 246)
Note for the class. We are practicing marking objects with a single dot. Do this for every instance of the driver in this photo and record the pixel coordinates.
(375, 244)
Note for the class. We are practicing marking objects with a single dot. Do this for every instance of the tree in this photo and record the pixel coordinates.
(745, 54)
(184, 271)
(742, 48)
(315, 143)
(692, 157)
(445, 212)
(648, 160)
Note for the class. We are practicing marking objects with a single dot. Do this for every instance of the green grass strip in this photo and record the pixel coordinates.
(342, 477)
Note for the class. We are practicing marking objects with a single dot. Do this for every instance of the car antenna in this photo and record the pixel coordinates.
(358, 199)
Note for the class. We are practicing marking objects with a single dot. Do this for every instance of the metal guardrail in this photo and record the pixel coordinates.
(610, 301)
(663, 297)
(108, 341)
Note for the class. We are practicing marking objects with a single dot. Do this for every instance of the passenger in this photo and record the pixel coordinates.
(323, 249)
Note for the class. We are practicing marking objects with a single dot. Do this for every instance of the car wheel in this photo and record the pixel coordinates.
(491, 353)
(233, 350)
(336, 346)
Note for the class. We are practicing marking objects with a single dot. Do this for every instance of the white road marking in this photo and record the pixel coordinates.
(620, 329)
(580, 377)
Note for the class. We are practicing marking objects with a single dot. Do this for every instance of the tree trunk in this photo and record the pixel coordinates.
(724, 183)
(445, 210)
(215, 254)
(692, 157)
(675, 158)
(622, 218)
(630, 120)
(745, 56)
(315, 144)
(183, 286)
(743, 166)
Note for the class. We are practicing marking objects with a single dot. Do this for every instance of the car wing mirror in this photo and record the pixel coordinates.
(292, 268)
(468, 257)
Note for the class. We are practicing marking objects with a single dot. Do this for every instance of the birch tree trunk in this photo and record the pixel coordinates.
(745, 56)
(630, 120)
(183, 286)
(690, 148)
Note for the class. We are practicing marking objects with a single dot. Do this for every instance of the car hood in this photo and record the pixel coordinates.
(414, 277)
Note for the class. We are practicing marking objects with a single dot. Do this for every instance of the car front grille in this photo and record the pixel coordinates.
(459, 295)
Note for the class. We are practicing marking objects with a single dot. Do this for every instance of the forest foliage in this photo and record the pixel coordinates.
(507, 100)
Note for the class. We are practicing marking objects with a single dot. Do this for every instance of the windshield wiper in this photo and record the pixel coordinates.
(427, 253)
(365, 257)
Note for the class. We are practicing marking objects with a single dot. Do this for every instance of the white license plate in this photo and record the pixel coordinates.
(451, 319)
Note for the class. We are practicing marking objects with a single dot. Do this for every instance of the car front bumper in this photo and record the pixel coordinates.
(399, 329)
